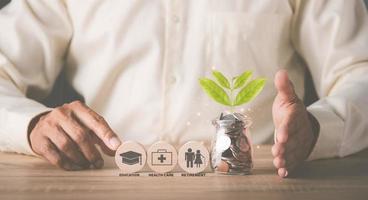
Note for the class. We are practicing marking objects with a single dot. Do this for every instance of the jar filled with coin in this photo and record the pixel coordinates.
(232, 148)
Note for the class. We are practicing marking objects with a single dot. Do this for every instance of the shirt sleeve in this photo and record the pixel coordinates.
(33, 40)
(332, 38)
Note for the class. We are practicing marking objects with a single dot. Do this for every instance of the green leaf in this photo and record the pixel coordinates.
(250, 91)
(242, 79)
(221, 79)
(214, 91)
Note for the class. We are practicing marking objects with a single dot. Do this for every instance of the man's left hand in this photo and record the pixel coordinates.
(295, 128)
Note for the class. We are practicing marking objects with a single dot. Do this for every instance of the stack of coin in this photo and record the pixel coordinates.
(234, 157)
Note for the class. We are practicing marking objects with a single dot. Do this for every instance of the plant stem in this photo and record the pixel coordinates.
(231, 96)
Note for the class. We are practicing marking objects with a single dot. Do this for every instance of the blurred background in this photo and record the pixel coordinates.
(64, 93)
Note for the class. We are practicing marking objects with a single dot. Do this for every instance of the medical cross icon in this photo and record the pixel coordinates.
(161, 158)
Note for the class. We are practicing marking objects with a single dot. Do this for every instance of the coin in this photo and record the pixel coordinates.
(222, 167)
(222, 142)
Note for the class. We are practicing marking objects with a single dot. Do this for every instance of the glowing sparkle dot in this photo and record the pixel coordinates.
(258, 146)
(213, 68)
(249, 109)
(242, 110)
(188, 123)
(198, 114)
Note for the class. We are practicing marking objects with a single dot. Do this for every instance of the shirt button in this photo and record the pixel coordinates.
(172, 80)
(176, 19)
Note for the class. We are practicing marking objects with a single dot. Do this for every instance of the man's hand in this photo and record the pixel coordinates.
(67, 135)
(296, 129)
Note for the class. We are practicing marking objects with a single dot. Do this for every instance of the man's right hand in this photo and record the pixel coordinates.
(67, 135)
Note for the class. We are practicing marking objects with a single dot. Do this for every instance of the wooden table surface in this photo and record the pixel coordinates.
(25, 177)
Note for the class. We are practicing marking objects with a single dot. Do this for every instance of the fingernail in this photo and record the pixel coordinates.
(286, 173)
(98, 164)
(114, 143)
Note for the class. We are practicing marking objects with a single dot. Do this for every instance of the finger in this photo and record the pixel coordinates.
(282, 172)
(50, 152)
(292, 152)
(67, 146)
(285, 87)
(293, 145)
(287, 128)
(82, 137)
(292, 162)
(92, 154)
(278, 149)
(97, 124)
(102, 145)
(282, 134)
(279, 162)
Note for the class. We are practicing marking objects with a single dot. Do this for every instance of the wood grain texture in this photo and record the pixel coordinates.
(25, 177)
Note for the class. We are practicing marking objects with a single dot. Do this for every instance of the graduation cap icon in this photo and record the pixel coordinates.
(131, 158)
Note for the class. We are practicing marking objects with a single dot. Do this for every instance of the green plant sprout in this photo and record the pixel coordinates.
(218, 91)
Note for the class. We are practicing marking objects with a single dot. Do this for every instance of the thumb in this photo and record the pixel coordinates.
(285, 87)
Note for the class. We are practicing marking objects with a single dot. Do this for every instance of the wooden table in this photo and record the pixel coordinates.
(25, 177)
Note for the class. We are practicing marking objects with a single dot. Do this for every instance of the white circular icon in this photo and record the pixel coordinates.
(193, 157)
(130, 157)
(162, 157)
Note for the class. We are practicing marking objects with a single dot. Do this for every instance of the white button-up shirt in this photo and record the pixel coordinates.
(137, 64)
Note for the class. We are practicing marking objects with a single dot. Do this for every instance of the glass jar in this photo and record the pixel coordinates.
(232, 148)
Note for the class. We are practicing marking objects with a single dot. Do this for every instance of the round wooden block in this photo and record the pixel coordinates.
(130, 157)
(162, 157)
(193, 157)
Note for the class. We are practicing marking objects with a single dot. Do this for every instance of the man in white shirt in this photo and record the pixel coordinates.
(137, 64)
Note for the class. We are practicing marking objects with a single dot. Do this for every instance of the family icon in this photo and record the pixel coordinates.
(191, 157)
